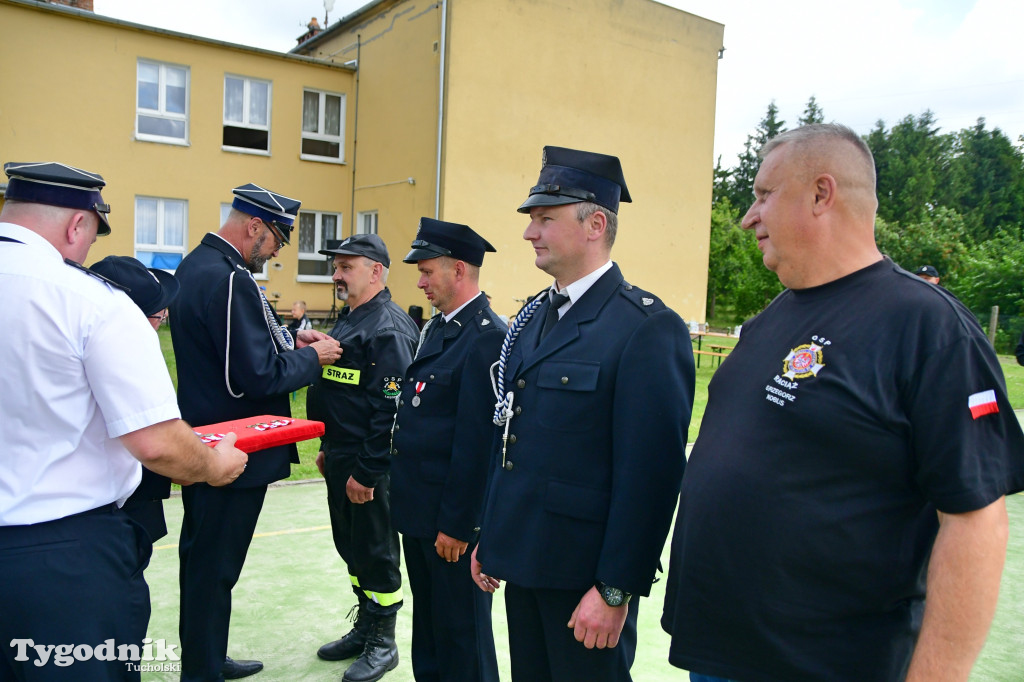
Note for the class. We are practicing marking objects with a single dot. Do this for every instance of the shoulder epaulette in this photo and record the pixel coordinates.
(644, 300)
(79, 266)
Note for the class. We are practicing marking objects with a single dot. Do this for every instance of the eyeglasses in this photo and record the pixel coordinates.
(274, 233)
(159, 318)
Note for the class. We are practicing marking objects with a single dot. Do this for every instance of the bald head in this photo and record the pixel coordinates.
(71, 231)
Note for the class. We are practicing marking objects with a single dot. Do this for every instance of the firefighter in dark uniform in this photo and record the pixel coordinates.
(596, 392)
(439, 459)
(234, 361)
(356, 400)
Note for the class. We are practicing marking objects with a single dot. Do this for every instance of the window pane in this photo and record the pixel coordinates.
(149, 89)
(152, 125)
(310, 111)
(320, 267)
(332, 115)
(307, 233)
(175, 92)
(174, 223)
(247, 138)
(165, 261)
(321, 148)
(328, 228)
(145, 221)
(234, 93)
(258, 103)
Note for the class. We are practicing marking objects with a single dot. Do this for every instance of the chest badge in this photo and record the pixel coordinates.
(392, 386)
(803, 361)
(420, 385)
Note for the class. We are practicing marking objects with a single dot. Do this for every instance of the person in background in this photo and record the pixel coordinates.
(152, 290)
(299, 320)
(928, 274)
(842, 516)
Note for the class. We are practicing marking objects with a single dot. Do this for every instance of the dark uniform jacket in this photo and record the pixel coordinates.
(355, 397)
(596, 447)
(229, 366)
(443, 435)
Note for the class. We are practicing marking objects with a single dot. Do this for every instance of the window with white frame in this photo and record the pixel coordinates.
(367, 222)
(315, 228)
(161, 231)
(161, 102)
(225, 210)
(322, 123)
(246, 114)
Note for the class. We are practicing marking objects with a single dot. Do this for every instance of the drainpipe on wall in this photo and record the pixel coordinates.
(355, 141)
(440, 109)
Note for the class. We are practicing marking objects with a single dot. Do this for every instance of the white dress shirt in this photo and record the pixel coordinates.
(81, 367)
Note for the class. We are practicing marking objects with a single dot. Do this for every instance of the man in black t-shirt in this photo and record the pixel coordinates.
(853, 458)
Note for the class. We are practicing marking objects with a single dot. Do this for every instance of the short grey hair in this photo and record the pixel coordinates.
(809, 136)
(585, 209)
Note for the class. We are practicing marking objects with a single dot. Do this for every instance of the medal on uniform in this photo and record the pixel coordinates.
(420, 385)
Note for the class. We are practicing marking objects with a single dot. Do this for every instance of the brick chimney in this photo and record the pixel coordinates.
(77, 4)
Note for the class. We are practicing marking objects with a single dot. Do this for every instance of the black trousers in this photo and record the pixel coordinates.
(543, 648)
(451, 618)
(215, 535)
(363, 535)
(74, 581)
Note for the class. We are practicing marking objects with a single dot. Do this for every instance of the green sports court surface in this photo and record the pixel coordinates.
(294, 593)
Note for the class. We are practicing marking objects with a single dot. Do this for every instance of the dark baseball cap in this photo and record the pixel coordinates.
(926, 270)
(369, 245)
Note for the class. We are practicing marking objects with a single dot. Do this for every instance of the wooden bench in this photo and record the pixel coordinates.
(712, 353)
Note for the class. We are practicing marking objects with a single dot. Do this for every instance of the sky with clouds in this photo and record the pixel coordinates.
(863, 62)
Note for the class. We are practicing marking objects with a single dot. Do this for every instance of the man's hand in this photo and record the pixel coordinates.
(308, 336)
(228, 461)
(595, 623)
(448, 548)
(357, 492)
(320, 463)
(483, 581)
(328, 350)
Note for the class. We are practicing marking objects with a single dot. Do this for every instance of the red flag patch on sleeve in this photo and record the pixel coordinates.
(983, 403)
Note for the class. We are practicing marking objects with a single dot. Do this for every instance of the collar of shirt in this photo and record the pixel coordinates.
(229, 244)
(31, 239)
(576, 290)
(448, 317)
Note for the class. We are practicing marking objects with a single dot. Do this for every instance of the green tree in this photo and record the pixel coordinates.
(936, 239)
(910, 161)
(812, 113)
(738, 283)
(986, 181)
(739, 187)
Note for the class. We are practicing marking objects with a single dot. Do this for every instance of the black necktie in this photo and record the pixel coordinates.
(557, 301)
(437, 328)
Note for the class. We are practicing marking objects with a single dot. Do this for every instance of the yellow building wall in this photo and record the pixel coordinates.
(631, 78)
(398, 51)
(69, 83)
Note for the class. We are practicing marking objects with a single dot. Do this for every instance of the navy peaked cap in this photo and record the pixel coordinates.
(58, 184)
(369, 245)
(152, 290)
(275, 209)
(570, 176)
(438, 238)
(927, 270)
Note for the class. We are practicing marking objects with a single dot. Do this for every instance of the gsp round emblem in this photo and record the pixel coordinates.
(803, 361)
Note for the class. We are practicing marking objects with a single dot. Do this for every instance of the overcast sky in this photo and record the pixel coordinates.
(863, 61)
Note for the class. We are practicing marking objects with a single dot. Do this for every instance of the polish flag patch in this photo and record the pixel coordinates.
(983, 403)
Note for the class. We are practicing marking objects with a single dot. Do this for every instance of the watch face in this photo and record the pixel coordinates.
(612, 596)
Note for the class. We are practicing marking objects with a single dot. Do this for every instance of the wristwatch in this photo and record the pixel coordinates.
(612, 596)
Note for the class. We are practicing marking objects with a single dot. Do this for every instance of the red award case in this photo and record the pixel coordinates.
(262, 432)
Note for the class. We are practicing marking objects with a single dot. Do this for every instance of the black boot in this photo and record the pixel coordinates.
(352, 644)
(380, 654)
